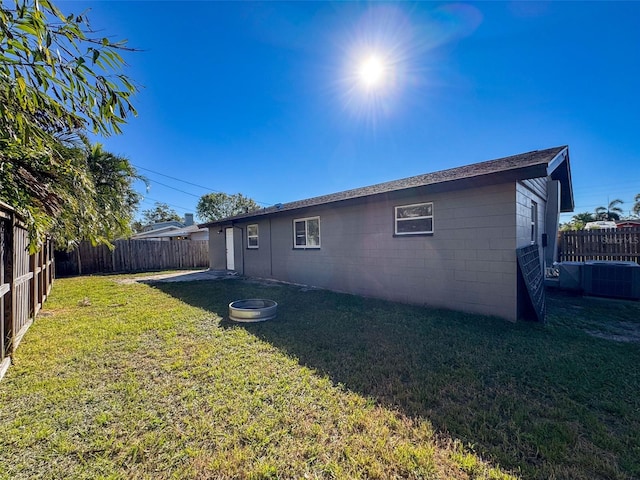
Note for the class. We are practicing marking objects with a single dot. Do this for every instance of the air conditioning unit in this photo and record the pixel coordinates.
(611, 279)
(570, 275)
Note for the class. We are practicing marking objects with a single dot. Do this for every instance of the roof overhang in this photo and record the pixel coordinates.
(560, 169)
(154, 233)
(550, 163)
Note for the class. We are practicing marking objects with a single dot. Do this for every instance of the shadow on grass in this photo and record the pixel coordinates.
(545, 401)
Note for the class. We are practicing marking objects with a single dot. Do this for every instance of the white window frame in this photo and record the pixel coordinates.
(256, 236)
(396, 219)
(306, 231)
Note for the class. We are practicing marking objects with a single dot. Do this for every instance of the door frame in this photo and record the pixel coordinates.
(229, 248)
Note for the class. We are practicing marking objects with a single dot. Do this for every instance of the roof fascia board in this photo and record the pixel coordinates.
(566, 193)
(180, 233)
(557, 161)
(152, 233)
(504, 176)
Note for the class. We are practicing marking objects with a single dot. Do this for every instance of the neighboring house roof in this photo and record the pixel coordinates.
(159, 225)
(181, 232)
(154, 233)
(628, 223)
(552, 162)
(169, 232)
(600, 224)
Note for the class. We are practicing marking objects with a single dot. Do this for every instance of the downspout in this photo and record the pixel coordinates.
(270, 251)
(552, 219)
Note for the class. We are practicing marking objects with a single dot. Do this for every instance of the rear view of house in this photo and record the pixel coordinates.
(445, 239)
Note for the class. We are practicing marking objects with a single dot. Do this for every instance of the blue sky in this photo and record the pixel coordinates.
(265, 98)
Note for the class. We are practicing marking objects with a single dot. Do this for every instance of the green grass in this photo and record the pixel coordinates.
(149, 381)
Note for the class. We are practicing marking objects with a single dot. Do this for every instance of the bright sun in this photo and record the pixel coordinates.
(371, 72)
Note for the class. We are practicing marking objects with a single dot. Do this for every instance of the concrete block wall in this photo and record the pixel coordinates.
(217, 249)
(468, 263)
(534, 190)
(257, 262)
(526, 192)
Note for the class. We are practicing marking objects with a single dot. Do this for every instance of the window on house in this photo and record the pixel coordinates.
(252, 236)
(414, 219)
(534, 222)
(306, 232)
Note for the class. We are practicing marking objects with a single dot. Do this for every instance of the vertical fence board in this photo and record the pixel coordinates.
(24, 304)
(133, 256)
(25, 282)
(614, 244)
(5, 287)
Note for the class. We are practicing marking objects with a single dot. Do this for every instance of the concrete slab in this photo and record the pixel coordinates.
(183, 276)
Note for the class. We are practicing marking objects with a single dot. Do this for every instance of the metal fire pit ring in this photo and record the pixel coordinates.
(252, 310)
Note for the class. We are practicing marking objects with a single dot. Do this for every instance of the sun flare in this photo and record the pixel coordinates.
(371, 72)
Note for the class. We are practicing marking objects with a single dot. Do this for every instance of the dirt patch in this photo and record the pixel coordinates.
(627, 332)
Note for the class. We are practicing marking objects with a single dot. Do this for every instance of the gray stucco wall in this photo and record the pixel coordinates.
(468, 264)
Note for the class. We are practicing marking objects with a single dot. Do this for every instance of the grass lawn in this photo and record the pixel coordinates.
(119, 380)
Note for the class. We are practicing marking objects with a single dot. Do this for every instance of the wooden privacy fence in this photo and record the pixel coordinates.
(25, 282)
(611, 244)
(133, 256)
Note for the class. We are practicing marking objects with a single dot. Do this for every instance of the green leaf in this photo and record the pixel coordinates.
(21, 84)
(49, 91)
(27, 28)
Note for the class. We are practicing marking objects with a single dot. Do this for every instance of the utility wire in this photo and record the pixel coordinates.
(188, 183)
(176, 189)
(177, 179)
(145, 198)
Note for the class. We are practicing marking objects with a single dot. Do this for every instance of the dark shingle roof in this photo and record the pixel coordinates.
(516, 167)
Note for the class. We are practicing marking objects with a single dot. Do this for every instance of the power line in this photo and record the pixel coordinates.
(177, 179)
(187, 182)
(176, 189)
(145, 198)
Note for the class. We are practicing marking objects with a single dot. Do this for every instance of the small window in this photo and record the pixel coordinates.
(414, 219)
(252, 236)
(534, 222)
(306, 232)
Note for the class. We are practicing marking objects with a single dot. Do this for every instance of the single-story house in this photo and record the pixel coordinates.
(446, 239)
(162, 225)
(600, 225)
(173, 230)
(628, 224)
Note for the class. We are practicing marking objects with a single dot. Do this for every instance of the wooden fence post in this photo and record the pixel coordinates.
(79, 261)
(6, 321)
(33, 285)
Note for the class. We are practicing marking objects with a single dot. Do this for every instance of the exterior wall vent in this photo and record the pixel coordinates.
(612, 279)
